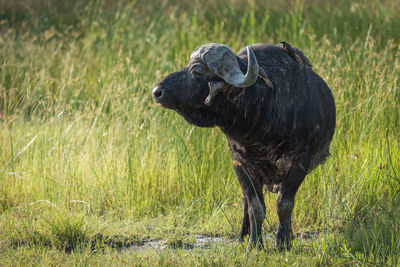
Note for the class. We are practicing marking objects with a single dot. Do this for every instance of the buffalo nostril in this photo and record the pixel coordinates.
(157, 92)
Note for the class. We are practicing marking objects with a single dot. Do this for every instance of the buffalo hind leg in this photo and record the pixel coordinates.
(255, 208)
(285, 204)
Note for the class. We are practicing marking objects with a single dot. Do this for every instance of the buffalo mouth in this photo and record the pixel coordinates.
(162, 99)
(167, 105)
(198, 116)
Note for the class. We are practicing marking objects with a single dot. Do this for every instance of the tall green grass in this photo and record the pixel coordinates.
(83, 148)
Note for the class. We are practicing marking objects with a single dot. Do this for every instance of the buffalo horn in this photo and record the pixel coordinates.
(237, 78)
(224, 63)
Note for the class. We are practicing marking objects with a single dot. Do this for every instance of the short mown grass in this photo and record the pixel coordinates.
(89, 165)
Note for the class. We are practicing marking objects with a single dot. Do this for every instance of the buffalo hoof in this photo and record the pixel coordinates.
(259, 245)
(252, 245)
(283, 241)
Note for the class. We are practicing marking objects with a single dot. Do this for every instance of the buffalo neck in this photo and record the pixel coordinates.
(247, 113)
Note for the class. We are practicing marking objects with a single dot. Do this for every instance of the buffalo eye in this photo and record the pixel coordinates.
(196, 74)
(197, 71)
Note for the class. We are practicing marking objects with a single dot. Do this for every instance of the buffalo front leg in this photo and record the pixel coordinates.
(244, 229)
(285, 204)
(255, 207)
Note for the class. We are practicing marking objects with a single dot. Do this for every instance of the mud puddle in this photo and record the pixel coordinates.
(205, 242)
(189, 242)
(197, 242)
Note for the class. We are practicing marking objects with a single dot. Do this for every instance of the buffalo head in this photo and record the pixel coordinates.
(212, 69)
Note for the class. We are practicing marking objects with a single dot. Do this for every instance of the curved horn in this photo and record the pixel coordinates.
(221, 59)
(240, 80)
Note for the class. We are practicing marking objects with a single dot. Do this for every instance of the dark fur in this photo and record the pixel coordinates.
(276, 135)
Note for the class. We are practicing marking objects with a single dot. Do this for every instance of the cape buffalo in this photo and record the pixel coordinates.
(277, 114)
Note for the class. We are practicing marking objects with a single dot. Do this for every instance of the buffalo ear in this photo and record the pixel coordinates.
(215, 89)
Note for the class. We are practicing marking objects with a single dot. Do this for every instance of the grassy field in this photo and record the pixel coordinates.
(89, 165)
